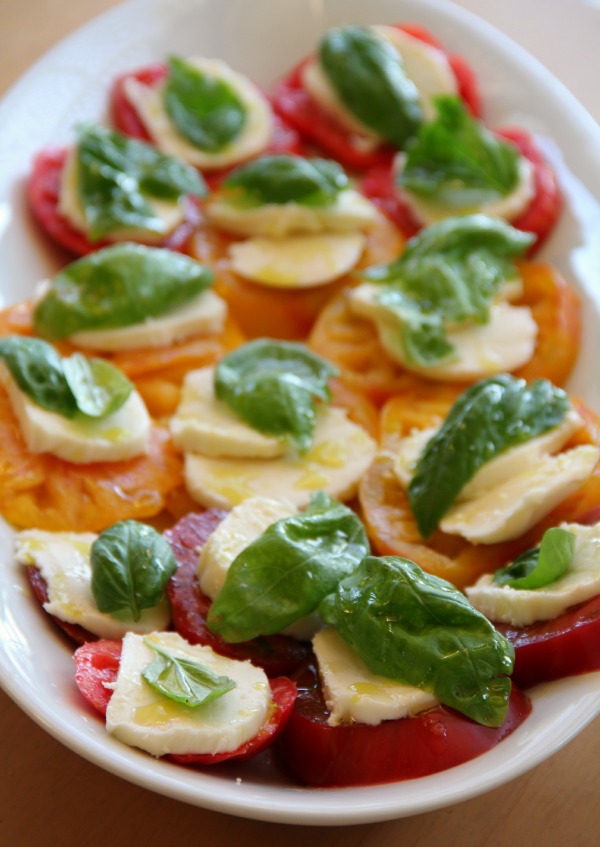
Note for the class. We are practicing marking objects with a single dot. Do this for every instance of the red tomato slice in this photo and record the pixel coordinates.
(97, 666)
(78, 634)
(358, 754)
(294, 104)
(285, 139)
(44, 190)
(539, 218)
(566, 646)
(276, 654)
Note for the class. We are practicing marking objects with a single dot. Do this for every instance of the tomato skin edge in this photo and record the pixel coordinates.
(324, 756)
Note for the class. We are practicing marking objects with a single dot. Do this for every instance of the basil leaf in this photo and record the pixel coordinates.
(116, 175)
(184, 680)
(456, 162)
(416, 628)
(273, 386)
(283, 179)
(37, 369)
(488, 418)
(99, 388)
(131, 565)
(448, 275)
(542, 565)
(285, 573)
(206, 110)
(118, 286)
(367, 74)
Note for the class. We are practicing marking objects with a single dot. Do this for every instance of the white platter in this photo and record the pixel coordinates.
(264, 38)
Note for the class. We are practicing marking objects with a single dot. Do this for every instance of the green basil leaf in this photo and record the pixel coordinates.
(118, 286)
(541, 565)
(283, 179)
(37, 369)
(488, 418)
(99, 388)
(448, 275)
(368, 75)
(418, 629)
(456, 162)
(273, 386)
(206, 110)
(116, 175)
(184, 680)
(131, 565)
(285, 573)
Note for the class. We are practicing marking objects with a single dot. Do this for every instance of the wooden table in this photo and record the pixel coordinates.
(49, 795)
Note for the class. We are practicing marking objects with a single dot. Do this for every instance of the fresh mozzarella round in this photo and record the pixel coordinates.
(425, 65)
(340, 454)
(204, 424)
(170, 213)
(63, 559)
(204, 315)
(510, 509)
(139, 715)
(243, 525)
(252, 140)
(301, 261)
(122, 435)
(508, 208)
(349, 212)
(522, 607)
(505, 343)
(354, 694)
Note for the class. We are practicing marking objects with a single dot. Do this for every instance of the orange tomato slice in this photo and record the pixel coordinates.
(389, 521)
(351, 342)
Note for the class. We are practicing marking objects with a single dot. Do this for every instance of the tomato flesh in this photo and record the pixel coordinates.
(293, 103)
(539, 217)
(97, 665)
(566, 646)
(275, 654)
(325, 756)
(44, 191)
(78, 634)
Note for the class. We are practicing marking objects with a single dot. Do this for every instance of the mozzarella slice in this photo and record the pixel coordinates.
(349, 212)
(510, 509)
(139, 715)
(204, 424)
(122, 435)
(503, 604)
(508, 208)
(243, 525)
(63, 559)
(505, 343)
(354, 694)
(253, 139)
(341, 452)
(169, 213)
(297, 262)
(425, 65)
(204, 315)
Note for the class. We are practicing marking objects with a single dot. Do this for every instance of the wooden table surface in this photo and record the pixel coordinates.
(51, 796)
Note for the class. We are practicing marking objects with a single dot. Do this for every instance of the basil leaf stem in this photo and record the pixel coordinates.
(418, 629)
